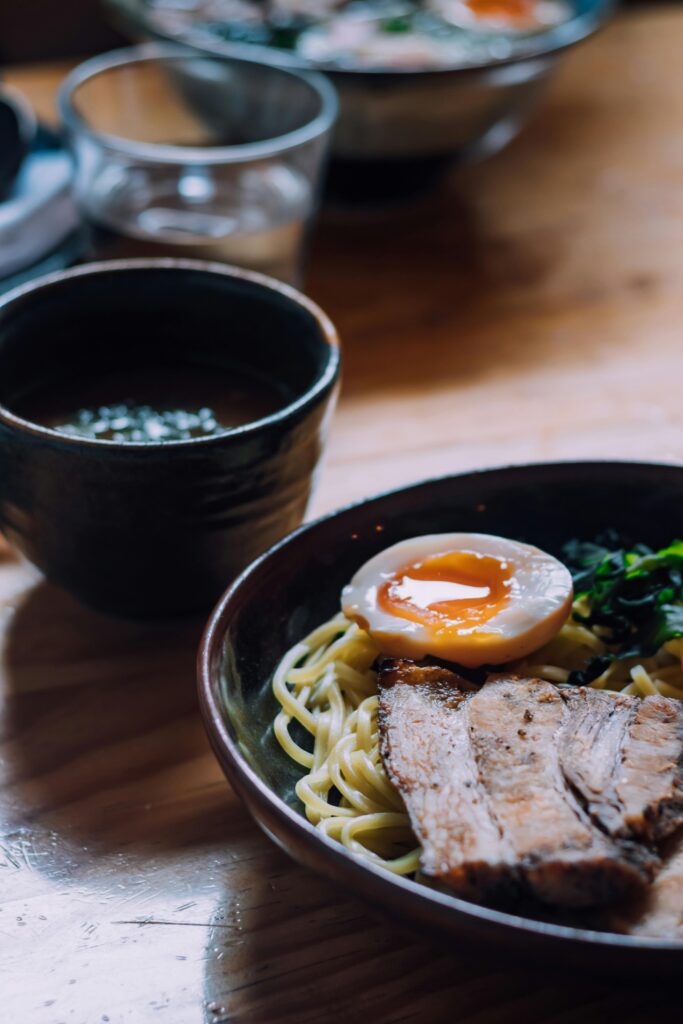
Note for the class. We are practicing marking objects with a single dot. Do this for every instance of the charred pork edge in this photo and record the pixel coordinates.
(636, 853)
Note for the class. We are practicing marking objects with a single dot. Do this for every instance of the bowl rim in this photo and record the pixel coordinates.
(550, 42)
(252, 788)
(324, 382)
(166, 153)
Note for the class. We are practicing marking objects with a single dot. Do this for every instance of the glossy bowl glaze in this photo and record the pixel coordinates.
(296, 586)
(392, 116)
(157, 528)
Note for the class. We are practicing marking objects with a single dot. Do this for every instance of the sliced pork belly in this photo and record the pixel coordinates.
(624, 756)
(659, 913)
(591, 745)
(650, 786)
(564, 858)
(424, 726)
(479, 771)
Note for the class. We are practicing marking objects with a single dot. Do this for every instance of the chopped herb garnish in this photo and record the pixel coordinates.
(634, 594)
(401, 23)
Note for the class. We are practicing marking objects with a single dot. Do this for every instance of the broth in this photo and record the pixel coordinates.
(153, 404)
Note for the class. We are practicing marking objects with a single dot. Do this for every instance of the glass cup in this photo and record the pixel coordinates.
(180, 154)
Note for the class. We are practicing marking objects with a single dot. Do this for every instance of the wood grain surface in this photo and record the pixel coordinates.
(530, 309)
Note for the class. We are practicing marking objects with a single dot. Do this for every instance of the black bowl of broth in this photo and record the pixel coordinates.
(160, 424)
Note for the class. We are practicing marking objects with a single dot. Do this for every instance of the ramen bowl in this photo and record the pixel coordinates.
(296, 586)
(391, 117)
(154, 526)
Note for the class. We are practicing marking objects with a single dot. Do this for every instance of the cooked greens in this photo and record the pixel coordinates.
(633, 594)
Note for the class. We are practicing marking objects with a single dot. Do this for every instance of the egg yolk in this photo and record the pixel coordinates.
(453, 591)
(508, 10)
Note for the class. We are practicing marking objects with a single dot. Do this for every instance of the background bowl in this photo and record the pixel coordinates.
(394, 116)
(156, 528)
(296, 586)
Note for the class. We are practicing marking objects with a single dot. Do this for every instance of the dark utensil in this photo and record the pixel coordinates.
(156, 528)
(296, 586)
(17, 130)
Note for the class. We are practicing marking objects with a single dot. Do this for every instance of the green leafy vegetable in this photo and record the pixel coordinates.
(634, 594)
(397, 24)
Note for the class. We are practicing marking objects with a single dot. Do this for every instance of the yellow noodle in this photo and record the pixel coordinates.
(326, 685)
(583, 637)
(576, 644)
(553, 673)
(667, 690)
(669, 673)
(643, 681)
(610, 673)
(327, 691)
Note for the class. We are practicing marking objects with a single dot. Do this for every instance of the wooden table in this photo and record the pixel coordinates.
(530, 310)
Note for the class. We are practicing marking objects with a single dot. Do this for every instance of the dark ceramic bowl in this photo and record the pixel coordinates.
(158, 528)
(296, 586)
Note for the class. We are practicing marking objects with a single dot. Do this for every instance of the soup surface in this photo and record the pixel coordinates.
(153, 404)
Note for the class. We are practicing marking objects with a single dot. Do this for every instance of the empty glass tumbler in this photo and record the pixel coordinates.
(180, 154)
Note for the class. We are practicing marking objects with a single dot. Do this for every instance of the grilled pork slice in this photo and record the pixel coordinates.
(479, 770)
(624, 756)
(564, 858)
(424, 727)
(660, 913)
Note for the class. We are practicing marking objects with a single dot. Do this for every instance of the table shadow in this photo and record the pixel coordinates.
(294, 949)
(102, 742)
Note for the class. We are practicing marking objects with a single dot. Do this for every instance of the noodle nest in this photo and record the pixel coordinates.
(326, 685)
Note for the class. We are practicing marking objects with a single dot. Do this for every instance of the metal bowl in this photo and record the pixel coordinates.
(460, 112)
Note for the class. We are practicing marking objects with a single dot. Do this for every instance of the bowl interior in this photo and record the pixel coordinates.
(296, 586)
(124, 316)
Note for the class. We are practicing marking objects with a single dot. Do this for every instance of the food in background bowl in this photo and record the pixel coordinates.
(377, 34)
(419, 84)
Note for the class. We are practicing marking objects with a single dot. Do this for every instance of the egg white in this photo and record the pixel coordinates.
(540, 597)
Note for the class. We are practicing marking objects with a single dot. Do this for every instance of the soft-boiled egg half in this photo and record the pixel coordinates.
(470, 598)
(503, 15)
